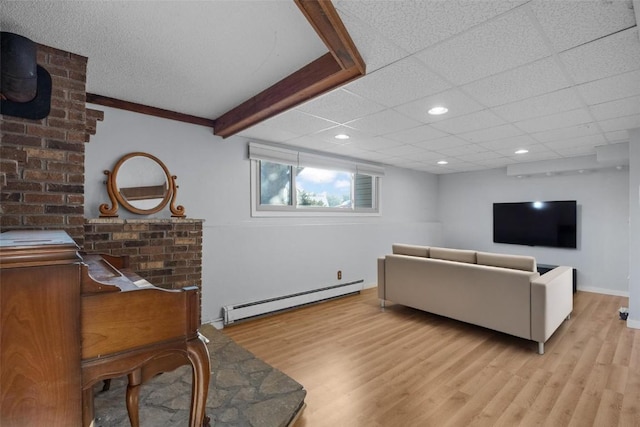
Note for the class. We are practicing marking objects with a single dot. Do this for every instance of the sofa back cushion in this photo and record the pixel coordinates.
(459, 255)
(515, 262)
(411, 250)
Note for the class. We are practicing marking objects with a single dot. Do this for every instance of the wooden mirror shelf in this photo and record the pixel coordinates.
(142, 184)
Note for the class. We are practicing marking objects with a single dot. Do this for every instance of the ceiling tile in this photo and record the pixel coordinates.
(462, 166)
(507, 42)
(611, 88)
(605, 57)
(461, 150)
(384, 122)
(340, 106)
(456, 101)
(619, 108)
(442, 143)
(565, 133)
(576, 151)
(474, 121)
(427, 156)
(533, 79)
(555, 121)
(617, 136)
(476, 157)
(620, 123)
(417, 134)
(377, 143)
(588, 141)
(498, 162)
(398, 83)
(512, 143)
(414, 26)
(346, 150)
(534, 150)
(310, 143)
(328, 135)
(490, 134)
(299, 123)
(373, 156)
(535, 156)
(376, 51)
(263, 132)
(572, 23)
(406, 151)
(542, 105)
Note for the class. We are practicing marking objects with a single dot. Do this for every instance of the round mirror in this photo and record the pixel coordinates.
(142, 184)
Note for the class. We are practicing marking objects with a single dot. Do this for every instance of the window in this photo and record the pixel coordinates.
(287, 182)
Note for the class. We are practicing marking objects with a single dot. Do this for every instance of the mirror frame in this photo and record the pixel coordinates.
(118, 199)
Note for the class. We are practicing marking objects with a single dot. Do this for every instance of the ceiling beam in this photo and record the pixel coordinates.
(146, 109)
(340, 66)
(324, 18)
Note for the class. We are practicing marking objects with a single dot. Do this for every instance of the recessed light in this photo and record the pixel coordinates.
(443, 162)
(342, 136)
(436, 111)
(522, 151)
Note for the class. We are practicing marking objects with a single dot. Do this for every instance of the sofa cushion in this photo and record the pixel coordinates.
(411, 250)
(516, 262)
(459, 255)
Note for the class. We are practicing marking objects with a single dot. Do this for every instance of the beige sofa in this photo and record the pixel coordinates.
(501, 292)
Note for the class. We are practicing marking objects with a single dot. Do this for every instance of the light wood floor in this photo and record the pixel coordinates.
(402, 367)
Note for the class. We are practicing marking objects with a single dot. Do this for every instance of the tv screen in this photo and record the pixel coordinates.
(536, 223)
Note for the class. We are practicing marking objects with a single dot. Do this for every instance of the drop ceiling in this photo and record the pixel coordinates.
(558, 78)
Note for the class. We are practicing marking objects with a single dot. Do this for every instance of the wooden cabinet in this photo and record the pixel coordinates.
(40, 375)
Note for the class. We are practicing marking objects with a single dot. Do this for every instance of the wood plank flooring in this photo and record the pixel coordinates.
(362, 366)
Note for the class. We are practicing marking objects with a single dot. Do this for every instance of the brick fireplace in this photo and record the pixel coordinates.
(42, 165)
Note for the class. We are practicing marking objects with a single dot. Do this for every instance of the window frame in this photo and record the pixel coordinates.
(307, 159)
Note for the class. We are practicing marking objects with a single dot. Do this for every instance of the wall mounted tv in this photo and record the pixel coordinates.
(550, 224)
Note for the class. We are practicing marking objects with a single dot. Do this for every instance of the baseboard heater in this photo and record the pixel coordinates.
(234, 313)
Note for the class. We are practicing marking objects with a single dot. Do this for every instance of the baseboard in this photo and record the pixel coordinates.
(370, 285)
(216, 323)
(635, 324)
(605, 291)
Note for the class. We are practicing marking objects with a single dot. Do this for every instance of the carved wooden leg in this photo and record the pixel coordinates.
(133, 394)
(87, 407)
(199, 357)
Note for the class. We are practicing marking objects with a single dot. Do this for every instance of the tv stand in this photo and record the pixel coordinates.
(543, 268)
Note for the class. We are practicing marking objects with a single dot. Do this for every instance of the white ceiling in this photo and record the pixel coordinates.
(556, 77)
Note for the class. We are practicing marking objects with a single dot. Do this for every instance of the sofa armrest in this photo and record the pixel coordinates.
(551, 302)
(381, 282)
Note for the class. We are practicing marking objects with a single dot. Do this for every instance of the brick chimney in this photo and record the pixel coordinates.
(42, 161)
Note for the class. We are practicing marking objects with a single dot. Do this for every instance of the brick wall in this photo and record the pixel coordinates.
(166, 252)
(42, 185)
(42, 161)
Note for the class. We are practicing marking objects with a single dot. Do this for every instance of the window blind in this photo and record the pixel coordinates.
(270, 153)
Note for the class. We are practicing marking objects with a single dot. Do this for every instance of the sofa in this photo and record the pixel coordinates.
(496, 291)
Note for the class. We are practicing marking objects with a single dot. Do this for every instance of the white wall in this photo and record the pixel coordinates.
(244, 258)
(601, 259)
(634, 229)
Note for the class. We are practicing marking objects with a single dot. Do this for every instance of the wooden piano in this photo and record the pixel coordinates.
(131, 327)
(126, 326)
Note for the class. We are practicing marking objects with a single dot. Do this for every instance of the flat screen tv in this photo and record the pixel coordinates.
(550, 224)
